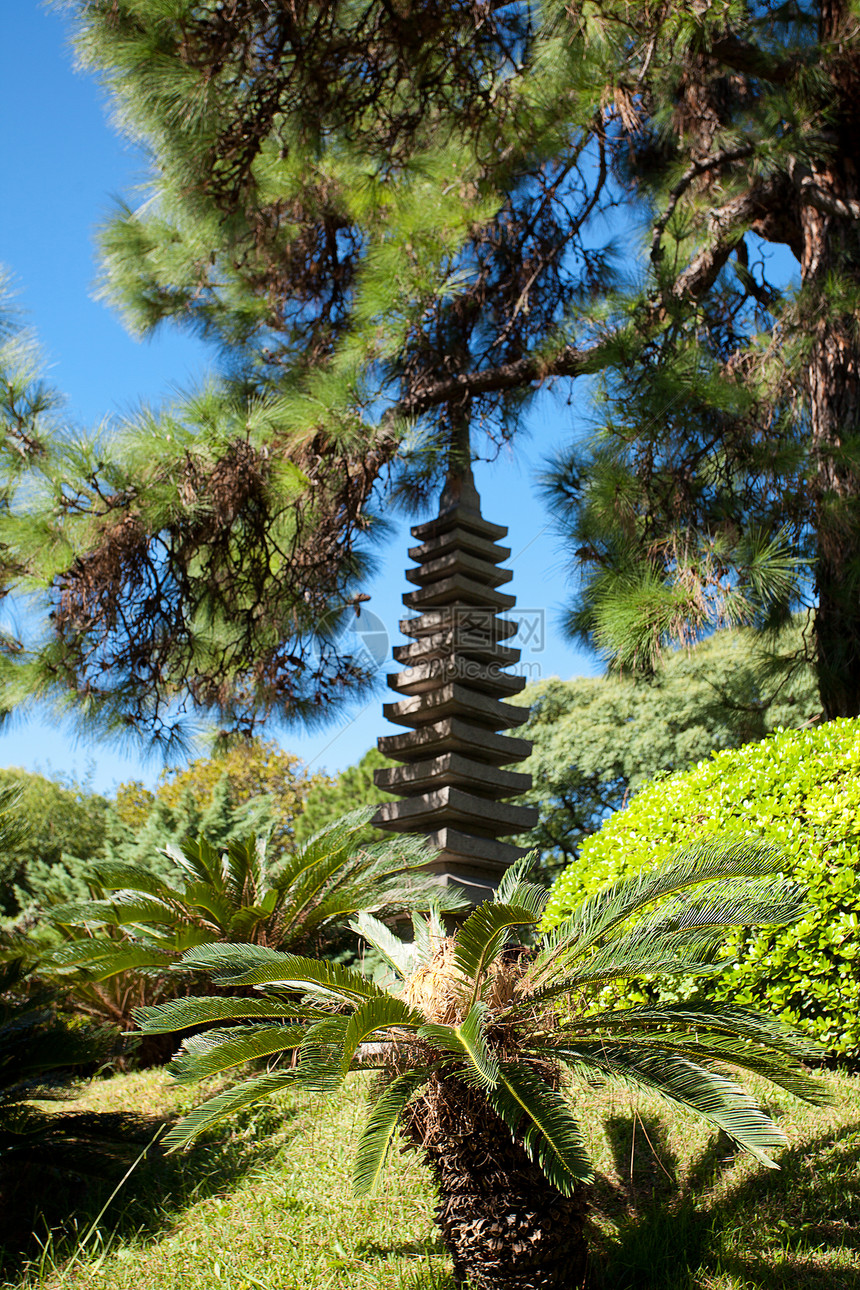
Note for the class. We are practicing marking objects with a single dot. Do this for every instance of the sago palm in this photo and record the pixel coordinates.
(140, 922)
(478, 1040)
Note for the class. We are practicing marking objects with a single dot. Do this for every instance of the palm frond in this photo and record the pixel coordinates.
(378, 1133)
(374, 894)
(514, 889)
(219, 1108)
(302, 907)
(200, 861)
(467, 1041)
(206, 898)
(218, 1050)
(126, 907)
(399, 956)
(730, 904)
(321, 1052)
(179, 1014)
(334, 839)
(245, 865)
(691, 953)
(428, 933)
(714, 1096)
(743, 1040)
(246, 965)
(380, 1013)
(118, 876)
(483, 934)
(101, 958)
(337, 834)
(607, 909)
(552, 1136)
(682, 937)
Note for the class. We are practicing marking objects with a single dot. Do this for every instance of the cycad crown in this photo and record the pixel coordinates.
(512, 1020)
(140, 922)
(475, 1039)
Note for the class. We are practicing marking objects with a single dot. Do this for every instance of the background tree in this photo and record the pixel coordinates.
(64, 828)
(598, 740)
(254, 783)
(250, 787)
(350, 790)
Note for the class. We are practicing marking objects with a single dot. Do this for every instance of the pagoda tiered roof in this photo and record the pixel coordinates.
(455, 692)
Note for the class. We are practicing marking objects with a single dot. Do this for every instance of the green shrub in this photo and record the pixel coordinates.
(800, 790)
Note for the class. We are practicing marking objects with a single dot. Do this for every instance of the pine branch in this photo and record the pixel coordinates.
(727, 225)
(571, 360)
(813, 194)
(699, 167)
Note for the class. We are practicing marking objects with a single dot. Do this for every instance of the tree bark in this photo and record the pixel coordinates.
(504, 1224)
(830, 272)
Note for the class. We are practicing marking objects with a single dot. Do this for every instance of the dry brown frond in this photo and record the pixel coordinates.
(438, 989)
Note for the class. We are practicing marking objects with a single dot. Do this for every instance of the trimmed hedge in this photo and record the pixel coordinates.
(799, 789)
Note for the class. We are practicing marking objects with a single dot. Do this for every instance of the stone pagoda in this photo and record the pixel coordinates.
(453, 782)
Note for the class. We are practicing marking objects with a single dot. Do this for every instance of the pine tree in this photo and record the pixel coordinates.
(725, 485)
(391, 224)
(380, 220)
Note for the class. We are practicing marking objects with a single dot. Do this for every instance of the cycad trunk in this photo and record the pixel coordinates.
(505, 1226)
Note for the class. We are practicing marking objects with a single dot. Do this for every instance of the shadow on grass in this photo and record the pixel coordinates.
(797, 1228)
(56, 1208)
(371, 1250)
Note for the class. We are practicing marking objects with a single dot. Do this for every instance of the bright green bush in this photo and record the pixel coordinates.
(799, 789)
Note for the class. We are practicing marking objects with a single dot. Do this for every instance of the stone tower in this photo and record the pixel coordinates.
(452, 784)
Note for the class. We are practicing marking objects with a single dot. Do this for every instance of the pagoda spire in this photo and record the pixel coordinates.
(452, 783)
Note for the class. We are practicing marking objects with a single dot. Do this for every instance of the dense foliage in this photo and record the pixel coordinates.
(251, 787)
(724, 482)
(476, 1044)
(393, 230)
(351, 790)
(597, 740)
(63, 828)
(352, 208)
(800, 791)
(42, 1052)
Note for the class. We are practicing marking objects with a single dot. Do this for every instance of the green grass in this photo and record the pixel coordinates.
(268, 1204)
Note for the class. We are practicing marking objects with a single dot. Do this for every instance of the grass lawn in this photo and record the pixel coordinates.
(268, 1207)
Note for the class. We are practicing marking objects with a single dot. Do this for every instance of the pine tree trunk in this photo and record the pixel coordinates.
(505, 1226)
(831, 263)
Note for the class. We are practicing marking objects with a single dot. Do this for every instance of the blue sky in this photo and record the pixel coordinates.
(63, 163)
